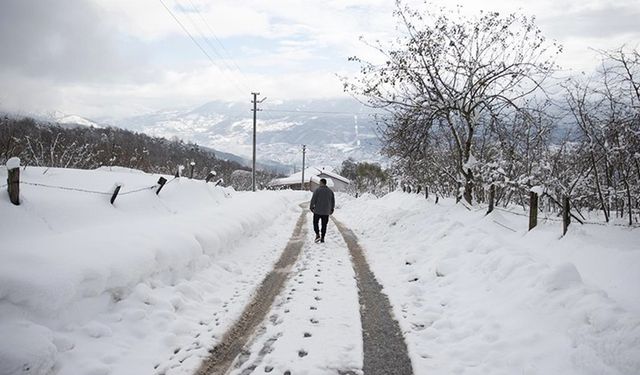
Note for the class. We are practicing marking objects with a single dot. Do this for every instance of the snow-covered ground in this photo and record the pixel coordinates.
(152, 281)
(149, 284)
(474, 297)
(314, 325)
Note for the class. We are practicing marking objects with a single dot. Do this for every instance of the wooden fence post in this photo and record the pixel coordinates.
(115, 192)
(210, 176)
(426, 192)
(13, 180)
(566, 215)
(193, 164)
(492, 198)
(533, 209)
(161, 182)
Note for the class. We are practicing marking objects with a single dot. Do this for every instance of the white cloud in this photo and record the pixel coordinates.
(115, 57)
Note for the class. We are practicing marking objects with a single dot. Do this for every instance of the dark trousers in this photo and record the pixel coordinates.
(325, 220)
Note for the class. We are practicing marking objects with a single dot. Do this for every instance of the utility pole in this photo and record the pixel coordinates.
(255, 111)
(304, 150)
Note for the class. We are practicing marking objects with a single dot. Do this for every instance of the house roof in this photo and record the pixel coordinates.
(296, 178)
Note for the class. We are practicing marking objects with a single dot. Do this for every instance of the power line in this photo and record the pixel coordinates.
(240, 85)
(195, 41)
(321, 112)
(187, 31)
(217, 39)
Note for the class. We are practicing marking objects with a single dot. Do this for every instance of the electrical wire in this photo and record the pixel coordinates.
(213, 33)
(211, 46)
(193, 39)
(320, 112)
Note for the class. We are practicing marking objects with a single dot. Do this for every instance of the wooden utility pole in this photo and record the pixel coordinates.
(255, 111)
(304, 150)
(253, 164)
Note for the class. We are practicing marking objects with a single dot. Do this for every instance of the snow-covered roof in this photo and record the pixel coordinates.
(331, 174)
(296, 178)
(316, 179)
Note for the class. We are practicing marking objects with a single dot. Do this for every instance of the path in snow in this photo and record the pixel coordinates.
(236, 337)
(314, 326)
(317, 309)
(385, 351)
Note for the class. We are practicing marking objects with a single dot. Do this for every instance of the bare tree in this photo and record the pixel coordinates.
(452, 71)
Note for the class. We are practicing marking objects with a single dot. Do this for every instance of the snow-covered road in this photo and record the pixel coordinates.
(314, 325)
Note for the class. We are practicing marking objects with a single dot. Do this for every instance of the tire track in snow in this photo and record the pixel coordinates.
(314, 326)
(311, 328)
(385, 351)
(232, 343)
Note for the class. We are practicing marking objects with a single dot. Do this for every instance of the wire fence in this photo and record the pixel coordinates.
(84, 190)
(547, 218)
(38, 184)
(542, 215)
(113, 193)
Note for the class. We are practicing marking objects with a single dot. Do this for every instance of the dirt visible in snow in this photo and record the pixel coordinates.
(385, 351)
(238, 335)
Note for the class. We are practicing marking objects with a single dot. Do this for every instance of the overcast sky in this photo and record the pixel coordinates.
(121, 57)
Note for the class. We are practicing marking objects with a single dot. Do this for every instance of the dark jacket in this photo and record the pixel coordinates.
(322, 202)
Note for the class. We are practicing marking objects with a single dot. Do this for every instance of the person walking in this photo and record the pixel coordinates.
(322, 205)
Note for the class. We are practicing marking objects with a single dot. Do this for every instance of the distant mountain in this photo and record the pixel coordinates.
(66, 119)
(333, 130)
(55, 117)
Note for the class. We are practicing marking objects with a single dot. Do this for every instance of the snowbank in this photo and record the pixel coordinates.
(478, 294)
(90, 287)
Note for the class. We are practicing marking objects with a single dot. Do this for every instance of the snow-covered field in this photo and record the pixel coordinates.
(149, 284)
(474, 297)
(91, 288)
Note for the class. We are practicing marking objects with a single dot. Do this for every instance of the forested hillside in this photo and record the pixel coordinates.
(52, 145)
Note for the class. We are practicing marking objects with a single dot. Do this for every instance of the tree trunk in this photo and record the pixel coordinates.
(533, 210)
(599, 189)
(492, 198)
(629, 205)
(566, 215)
(468, 187)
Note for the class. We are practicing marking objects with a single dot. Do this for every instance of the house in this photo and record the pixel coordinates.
(312, 176)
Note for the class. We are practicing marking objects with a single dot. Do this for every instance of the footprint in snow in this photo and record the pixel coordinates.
(274, 319)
